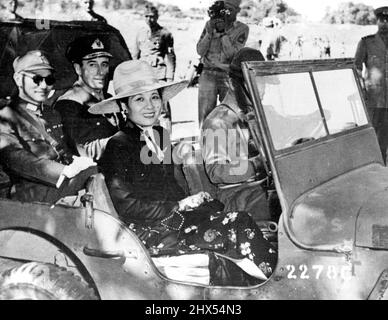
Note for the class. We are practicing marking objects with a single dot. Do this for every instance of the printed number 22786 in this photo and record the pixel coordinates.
(303, 272)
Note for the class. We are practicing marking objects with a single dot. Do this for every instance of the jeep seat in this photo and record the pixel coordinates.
(5, 184)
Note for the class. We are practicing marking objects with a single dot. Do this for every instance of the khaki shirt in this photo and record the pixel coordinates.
(373, 52)
(218, 50)
(157, 49)
(225, 146)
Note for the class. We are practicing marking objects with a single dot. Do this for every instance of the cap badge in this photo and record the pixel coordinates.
(97, 44)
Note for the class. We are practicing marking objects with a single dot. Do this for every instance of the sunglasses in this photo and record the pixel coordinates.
(37, 79)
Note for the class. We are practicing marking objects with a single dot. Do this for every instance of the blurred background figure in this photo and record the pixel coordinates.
(326, 48)
(8, 10)
(343, 50)
(276, 48)
(86, 11)
(299, 47)
(317, 48)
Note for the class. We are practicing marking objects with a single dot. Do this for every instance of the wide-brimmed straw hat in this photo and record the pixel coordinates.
(135, 77)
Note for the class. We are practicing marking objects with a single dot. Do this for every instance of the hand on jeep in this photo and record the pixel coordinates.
(194, 201)
(79, 164)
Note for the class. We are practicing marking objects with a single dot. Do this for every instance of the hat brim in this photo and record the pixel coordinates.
(38, 67)
(170, 90)
(98, 54)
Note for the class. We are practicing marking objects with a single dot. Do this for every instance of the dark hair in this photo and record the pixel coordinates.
(150, 9)
(125, 99)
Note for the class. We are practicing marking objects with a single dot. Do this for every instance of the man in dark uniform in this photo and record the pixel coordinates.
(372, 64)
(41, 169)
(87, 134)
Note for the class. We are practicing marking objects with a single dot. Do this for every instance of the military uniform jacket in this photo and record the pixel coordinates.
(232, 161)
(156, 48)
(218, 50)
(85, 134)
(227, 158)
(32, 159)
(373, 52)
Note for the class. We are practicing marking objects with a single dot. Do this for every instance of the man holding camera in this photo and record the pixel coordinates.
(222, 37)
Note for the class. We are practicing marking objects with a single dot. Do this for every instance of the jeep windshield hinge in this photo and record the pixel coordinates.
(346, 249)
(87, 202)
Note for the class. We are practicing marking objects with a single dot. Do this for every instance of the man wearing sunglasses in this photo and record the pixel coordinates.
(87, 134)
(41, 169)
(371, 61)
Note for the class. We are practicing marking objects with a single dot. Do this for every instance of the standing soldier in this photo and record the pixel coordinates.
(87, 134)
(155, 45)
(222, 37)
(372, 64)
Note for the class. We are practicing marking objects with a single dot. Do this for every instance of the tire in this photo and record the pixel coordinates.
(43, 281)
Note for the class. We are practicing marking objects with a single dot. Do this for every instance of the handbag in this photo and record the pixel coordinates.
(179, 220)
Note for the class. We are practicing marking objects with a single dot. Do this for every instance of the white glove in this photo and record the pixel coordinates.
(194, 201)
(79, 164)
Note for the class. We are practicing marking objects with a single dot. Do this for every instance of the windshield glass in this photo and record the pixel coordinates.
(339, 95)
(291, 105)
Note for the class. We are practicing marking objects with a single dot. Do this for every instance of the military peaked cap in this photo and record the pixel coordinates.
(88, 47)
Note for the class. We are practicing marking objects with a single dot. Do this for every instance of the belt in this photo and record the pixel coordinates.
(214, 69)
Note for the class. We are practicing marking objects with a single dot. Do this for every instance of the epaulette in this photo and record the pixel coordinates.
(76, 94)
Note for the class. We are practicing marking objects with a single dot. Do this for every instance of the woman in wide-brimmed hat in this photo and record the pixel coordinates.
(140, 177)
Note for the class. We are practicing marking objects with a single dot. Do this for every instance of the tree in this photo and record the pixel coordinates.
(260, 9)
(350, 12)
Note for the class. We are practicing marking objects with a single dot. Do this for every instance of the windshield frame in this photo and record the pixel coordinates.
(256, 69)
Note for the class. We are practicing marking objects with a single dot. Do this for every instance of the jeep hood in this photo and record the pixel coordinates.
(351, 209)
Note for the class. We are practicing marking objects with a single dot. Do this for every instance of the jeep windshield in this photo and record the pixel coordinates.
(302, 106)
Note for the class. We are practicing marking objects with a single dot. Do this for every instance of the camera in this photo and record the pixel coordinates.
(218, 10)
